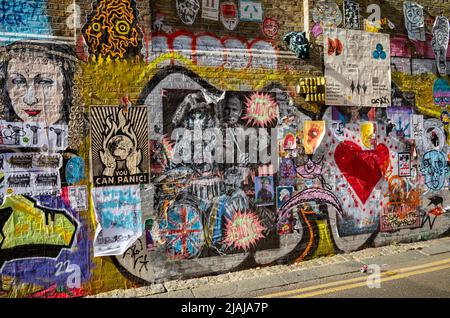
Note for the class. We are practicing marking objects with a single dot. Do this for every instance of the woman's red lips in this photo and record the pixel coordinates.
(32, 112)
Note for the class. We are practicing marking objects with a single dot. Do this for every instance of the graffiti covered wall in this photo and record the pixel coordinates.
(143, 141)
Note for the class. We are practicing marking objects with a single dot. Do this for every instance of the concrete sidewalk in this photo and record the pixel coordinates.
(238, 283)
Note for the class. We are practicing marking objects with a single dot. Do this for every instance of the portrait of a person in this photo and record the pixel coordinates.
(233, 110)
(36, 81)
(264, 196)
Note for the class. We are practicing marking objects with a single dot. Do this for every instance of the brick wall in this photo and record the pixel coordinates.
(151, 57)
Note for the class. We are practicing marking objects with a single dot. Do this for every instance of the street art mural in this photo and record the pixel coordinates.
(198, 142)
(111, 29)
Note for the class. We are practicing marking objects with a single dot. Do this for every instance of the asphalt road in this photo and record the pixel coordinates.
(425, 278)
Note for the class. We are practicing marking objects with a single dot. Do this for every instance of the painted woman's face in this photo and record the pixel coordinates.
(35, 88)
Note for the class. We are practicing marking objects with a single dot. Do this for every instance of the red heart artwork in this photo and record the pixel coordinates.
(362, 168)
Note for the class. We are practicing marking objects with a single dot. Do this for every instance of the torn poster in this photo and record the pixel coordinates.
(118, 214)
(33, 135)
(210, 9)
(440, 43)
(120, 145)
(414, 21)
(351, 15)
(357, 68)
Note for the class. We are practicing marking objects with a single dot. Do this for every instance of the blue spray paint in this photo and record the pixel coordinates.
(74, 170)
(26, 17)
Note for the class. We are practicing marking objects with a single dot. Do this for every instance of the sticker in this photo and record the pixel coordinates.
(400, 117)
(229, 15)
(78, 197)
(351, 15)
(283, 195)
(262, 110)
(289, 139)
(404, 164)
(313, 133)
(210, 9)
(368, 134)
(264, 191)
(445, 117)
(33, 135)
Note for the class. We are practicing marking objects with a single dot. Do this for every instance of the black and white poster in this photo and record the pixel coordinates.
(351, 15)
(119, 150)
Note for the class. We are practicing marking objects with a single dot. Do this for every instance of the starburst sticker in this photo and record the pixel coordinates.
(262, 110)
(243, 230)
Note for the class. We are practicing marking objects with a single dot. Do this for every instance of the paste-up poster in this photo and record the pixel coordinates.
(119, 146)
(33, 135)
(400, 117)
(414, 21)
(187, 10)
(313, 133)
(351, 15)
(357, 68)
(31, 173)
(250, 10)
(417, 129)
(264, 191)
(368, 134)
(210, 9)
(32, 183)
(118, 213)
(76, 196)
(229, 15)
(440, 43)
